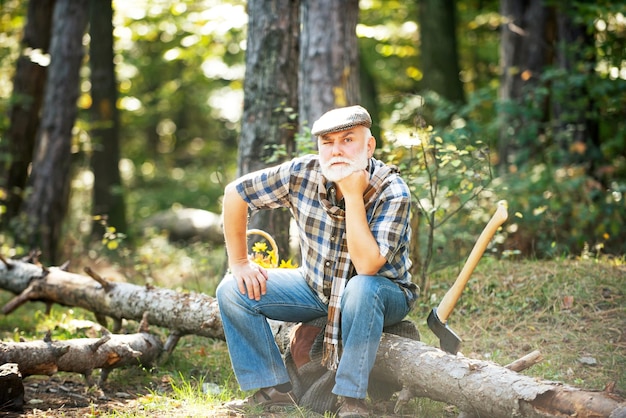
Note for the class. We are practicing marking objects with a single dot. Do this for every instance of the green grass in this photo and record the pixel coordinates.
(569, 309)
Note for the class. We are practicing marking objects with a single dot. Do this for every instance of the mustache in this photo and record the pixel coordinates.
(336, 160)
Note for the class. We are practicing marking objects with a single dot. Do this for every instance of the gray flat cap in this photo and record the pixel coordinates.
(341, 119)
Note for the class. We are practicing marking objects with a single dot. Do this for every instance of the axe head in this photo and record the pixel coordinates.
(448, 340)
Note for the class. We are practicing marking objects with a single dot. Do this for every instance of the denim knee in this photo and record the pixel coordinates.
(361, 286)
(226, 287)
(374, 293)
(360, 290)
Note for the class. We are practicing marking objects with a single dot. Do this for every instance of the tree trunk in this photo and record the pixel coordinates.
(108, 200)
(329, 65)
(50, 178)
(524, 53)
(438, 53)
(574, 112)
(269, 122)
(28, 89)
(478, 388)
(369, 98)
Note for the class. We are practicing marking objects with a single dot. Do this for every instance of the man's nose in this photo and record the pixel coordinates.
(337, 149)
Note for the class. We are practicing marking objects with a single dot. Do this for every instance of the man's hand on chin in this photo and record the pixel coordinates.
(354, 184)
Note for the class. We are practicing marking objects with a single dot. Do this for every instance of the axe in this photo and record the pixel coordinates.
(438, 317)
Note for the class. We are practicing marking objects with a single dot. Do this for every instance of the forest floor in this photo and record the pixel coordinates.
(70, 396)
(570, 310)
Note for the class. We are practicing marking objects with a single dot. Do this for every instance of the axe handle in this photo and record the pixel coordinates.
(448, 302)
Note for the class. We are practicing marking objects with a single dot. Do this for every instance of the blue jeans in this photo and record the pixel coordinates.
(368, 304)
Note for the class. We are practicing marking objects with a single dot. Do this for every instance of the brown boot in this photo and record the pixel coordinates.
(353, 408)
(266, 398)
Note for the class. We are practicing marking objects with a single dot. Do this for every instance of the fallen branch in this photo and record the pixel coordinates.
(83, 355)
(525, 362)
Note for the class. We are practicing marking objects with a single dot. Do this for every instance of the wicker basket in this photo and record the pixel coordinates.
(269, 239)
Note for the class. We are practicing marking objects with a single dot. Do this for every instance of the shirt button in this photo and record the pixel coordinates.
(327, 263)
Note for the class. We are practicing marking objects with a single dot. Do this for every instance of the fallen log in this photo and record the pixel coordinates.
(478, 388)
(186, 224)
(83, 355)
(484, 389)
(181, 313)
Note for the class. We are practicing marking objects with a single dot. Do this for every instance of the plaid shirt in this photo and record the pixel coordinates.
(299, 185)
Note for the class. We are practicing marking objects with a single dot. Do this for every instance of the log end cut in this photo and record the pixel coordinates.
(11, 388)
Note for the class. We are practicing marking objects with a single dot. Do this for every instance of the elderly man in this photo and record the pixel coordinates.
(352, 214)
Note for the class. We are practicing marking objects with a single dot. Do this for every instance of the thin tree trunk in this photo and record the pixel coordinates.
(329, 59)
(524, 53)
(50, 178)
(369, 98)
(575, 126)
(438, 52)
(108, 199)
(28, 90)
(270, 99)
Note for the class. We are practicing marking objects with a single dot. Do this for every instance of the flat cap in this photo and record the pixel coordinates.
(341, 119)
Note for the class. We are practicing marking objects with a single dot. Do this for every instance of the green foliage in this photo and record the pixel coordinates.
(11, 21)
(302, 138)
(154, 189)
(388, 42)
(447, 167)
(111, 238)
(563, 211)
(181, 70)
(566, 177)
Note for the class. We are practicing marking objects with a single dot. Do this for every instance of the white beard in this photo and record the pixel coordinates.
(339, 172)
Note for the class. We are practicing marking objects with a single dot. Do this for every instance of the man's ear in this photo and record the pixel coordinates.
(371, 146)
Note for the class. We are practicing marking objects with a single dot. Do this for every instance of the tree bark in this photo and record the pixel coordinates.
(82, 355)
(525, 50)
(438, 53)
(50, 177)
(108, 199)
(329, 59)
(269, 122)
(574, 111)
(181, 313)
(484, 389)
(476, 387)
(28, 89)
